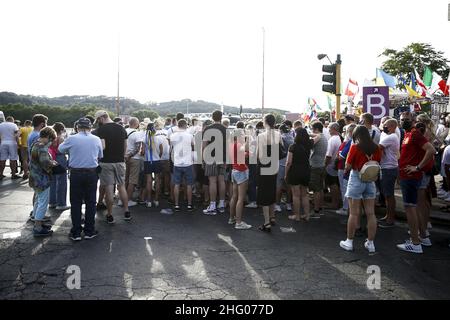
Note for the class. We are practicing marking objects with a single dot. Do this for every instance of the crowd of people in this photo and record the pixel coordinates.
(354, 161)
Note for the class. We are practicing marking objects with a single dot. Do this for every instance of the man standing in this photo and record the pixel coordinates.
(317, 163)
(215, 160)
(84, 151)
(133, 159)
(9, 136)
(332, 179)
(390, 144)
(416, 154)
(182, 143)
(367, 121)
(113, 137)
(24, 133)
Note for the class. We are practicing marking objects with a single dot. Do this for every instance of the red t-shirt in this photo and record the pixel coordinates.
(411, 154)
(357, 158)
(237, 165)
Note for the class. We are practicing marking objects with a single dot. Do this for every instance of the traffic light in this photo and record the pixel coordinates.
(329, 77)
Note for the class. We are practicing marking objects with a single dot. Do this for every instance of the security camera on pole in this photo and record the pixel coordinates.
(333, 77)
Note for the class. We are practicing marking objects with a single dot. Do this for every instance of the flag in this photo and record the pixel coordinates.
(412, 92)
(428, 77)
(311, 102)
(352, 88)
(388, 80)
(330, 102)
(402, 79)
(448, 86)
(423, 88)
(413, 81)
(438, 84)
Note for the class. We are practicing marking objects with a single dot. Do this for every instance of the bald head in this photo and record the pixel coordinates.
(391, 125)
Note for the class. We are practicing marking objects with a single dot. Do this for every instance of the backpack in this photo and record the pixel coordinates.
(370, 170)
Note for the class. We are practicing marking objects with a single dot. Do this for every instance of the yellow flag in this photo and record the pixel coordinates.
(412, 92)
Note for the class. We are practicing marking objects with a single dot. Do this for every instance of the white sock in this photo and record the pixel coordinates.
(370, 243)
(221, 203)
(349, 241)
(212, 204)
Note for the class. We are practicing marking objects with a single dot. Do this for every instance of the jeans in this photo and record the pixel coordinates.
(252, 182)
(343, 185)
(83, 186)
(358, 190)
(40, 204)
(58, 190)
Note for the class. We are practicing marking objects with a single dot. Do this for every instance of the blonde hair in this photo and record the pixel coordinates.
(430, 133)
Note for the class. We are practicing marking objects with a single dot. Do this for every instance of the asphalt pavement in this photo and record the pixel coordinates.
(188, 255)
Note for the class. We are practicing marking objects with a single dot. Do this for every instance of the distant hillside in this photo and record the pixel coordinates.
(127, 105)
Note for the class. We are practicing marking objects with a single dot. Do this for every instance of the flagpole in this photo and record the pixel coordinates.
(263, 56)
(118, 79)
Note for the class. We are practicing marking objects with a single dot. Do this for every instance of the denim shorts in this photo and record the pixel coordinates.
(239, 177)
(409, 191)
(425, 181)
(387, 181)
(358, 190)
(183, 172)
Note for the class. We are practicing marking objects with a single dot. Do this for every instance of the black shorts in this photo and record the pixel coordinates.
(331, 180)
(152, 167)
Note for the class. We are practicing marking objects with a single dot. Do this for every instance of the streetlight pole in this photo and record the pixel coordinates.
(263, 53)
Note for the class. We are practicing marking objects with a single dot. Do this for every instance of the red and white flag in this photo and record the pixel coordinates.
(352, 88)
(423, 88)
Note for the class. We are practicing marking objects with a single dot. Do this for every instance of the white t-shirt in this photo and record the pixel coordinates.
(134, 143)
(445, 160)
(391, 145)
(8, 132)
(326, 133)
(154, 156)
(166, 148)
(182, 142)
(376, 136)
(333, 147)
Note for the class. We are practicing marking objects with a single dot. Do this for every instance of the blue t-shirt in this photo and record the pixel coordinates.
(32, 138)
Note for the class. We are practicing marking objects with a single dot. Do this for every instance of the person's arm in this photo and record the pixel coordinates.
(429, 152)
(64, 147)
(288, 164)
(349, 161)
(45, 161)
(161, 150)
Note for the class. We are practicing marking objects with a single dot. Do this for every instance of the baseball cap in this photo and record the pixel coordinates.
(100, 113)
(84, 123)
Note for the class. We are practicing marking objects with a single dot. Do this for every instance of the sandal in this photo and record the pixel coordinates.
(272, 221)
(265, 227)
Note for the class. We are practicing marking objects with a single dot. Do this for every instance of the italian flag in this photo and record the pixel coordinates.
(439, 84)
(421, 84)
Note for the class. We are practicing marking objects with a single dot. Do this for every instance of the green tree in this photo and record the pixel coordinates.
(414, 56)
(143, 113)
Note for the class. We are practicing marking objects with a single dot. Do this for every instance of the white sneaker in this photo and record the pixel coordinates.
(408, 246)
(443, 195)
(131, 203)
(277, 208)
(119, 203)
(346, 245)
(426, 242)
(370, 247)
(342, 212)
(252, 205)
(210, 211)
(221, 209)
(156, 204)
(288, 207)
(242, 226)
(148, 204)
(231, 221)
(62, 208)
